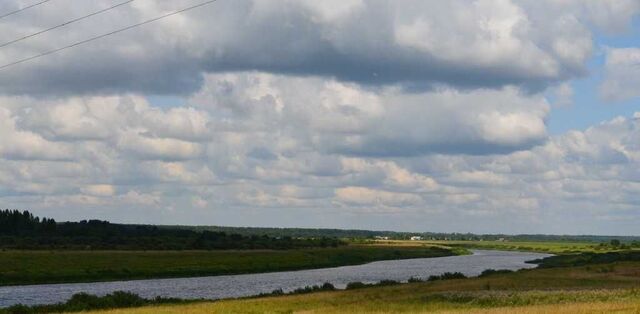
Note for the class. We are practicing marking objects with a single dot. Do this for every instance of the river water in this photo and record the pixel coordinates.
(218, 287)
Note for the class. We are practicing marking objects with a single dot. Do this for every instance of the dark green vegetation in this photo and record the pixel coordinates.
(558, 247)
(551, 290)
(308, 289)
(22, 230)
(447, 276)
(394, 235)
(85, 302)
(33, 267)
(587, 259)
(548, 290)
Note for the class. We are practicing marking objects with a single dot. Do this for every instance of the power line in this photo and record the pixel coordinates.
(22, 9)
(106, 34)
(65, 23)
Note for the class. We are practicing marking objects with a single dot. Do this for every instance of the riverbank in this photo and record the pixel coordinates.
(593, 288)
(246, 285)
(551, 247)
(40, 267)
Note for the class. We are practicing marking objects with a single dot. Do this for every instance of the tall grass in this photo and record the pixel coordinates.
(33, 267)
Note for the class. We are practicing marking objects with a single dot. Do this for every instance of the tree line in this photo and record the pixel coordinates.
(23, 230)
(396, 235)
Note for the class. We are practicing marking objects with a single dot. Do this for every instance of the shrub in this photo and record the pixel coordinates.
(85, 302)
(387, 282)
(355, 285)
(327, 286)
(447, 276)
(584, 259)
(489, 272)
(308, 289)
(415, 279)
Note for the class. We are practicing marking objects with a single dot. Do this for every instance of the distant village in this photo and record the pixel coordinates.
(421, 238)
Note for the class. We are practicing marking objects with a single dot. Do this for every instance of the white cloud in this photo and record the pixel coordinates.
(563, 95)
(587, 169)
(23, 144)
(350, 119)
(426, 115)
(622, 74)
(361, 196)
(158, 148)
(99, 190)
(484, 44)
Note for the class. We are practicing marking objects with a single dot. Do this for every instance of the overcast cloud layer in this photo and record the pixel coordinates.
(406, 115)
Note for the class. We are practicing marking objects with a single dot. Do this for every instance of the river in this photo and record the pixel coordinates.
(231, 286)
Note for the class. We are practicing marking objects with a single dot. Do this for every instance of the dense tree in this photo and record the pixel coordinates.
(22, 230)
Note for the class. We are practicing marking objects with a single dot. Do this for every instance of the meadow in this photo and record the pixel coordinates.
(19, 267)
(551, 247)
(585, 289)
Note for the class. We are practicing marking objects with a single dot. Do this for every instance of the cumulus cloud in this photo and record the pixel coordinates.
(368, 114)
(484, 44)
(563, 95)
(346, 118)
(99, 190)
(370, 197)
(23, 144)
(622, 74)
(265, 147)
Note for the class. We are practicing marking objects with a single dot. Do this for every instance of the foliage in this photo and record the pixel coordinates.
(447, 276)
(415, 279)
(356, 285)
(394, 235)
(536, 246)
(587, 259)
(21, 230)
(32, 267)
(551, 290)
(315, 288)
(308, 289)
(489, 272)
(85, 302)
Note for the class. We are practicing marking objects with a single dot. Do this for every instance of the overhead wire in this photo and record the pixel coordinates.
(65, 23)
(120, 30)
(22, 9)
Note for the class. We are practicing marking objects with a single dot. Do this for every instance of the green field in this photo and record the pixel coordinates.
(34, 267)
(529, 246)
(587, 289)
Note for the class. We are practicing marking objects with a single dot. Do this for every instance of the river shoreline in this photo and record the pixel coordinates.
(234, 286)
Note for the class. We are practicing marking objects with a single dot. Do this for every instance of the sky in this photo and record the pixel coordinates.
(446, 116)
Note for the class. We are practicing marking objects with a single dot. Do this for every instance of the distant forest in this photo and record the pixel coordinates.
(395, 235)
(23, 230)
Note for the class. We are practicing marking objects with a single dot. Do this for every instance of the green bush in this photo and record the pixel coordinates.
(587, 259)
(86, 302)
(356, 285)
(308, 289)
(489, 272)
(447, 276)
(387, 282)
(415, 279)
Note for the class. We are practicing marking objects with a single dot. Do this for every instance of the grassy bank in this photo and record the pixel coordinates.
(584, 289)
(35, 267)
(528, 246)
